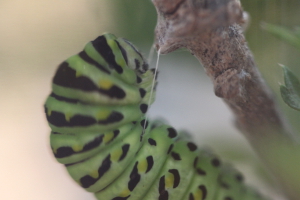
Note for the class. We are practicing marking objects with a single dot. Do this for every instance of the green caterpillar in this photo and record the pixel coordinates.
(97, 115)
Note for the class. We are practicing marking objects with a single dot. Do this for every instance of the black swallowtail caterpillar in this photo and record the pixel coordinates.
(97, 115)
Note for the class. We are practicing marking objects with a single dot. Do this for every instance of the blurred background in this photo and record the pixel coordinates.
(37, 35)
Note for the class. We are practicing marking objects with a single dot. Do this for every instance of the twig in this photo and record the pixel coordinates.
(211, 31)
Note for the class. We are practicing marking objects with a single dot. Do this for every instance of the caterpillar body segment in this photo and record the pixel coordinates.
(72, 148)
(96, 112)
(101, 169)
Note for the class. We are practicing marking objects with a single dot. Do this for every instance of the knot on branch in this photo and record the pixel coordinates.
(231, 83)
(180, 19)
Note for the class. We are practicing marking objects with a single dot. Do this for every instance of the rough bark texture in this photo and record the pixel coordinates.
(211, 31)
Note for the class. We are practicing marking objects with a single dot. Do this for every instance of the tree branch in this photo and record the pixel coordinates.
(211, 31)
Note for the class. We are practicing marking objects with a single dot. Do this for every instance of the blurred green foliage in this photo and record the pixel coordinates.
(291, 37)
(290, 92)
(135, 20)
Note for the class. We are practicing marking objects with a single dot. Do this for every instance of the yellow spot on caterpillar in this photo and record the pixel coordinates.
(78, 74)
(105, 84)
(198, 195)
(108, 137)
(68, 116)
(115, 155)
(94, 174)
(77, 148)
(169, 180)
(125, 193)
(142, 166)
(54, 150)
(103, 114)
(49, 112)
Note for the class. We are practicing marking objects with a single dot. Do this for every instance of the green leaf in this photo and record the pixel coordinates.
(293, 38)
(290, 92)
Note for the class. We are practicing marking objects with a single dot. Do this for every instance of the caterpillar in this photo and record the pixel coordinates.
(96, 112)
